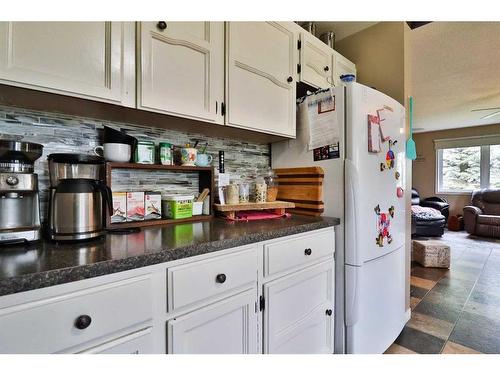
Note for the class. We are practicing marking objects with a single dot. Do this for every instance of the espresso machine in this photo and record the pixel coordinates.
(19, 200)
(79, 199)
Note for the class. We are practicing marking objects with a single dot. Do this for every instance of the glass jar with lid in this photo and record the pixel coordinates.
(272, 185)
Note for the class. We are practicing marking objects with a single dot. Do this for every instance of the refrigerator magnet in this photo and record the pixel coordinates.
(373, 134)
(400, 192)
(383, 228)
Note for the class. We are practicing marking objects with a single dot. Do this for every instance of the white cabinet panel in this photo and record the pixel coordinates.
(227, 327)
(342, 66)
(299, 312)
(260, 87)
(92, 60)
(181, 69)
(316, 61)
(140, 342)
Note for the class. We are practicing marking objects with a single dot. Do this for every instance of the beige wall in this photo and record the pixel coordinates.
(424, 168)
(378, 53)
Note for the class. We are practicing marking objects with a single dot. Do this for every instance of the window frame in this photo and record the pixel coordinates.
(484, 171)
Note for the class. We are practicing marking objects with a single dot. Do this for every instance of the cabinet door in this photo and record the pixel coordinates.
(140, 342)
(299, 312)
(341, 66)
(181, 69)
(260, 84)
(226, 327)
(316, 62)
(92, 60)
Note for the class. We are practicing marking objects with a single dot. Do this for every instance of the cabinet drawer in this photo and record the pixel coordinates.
(50, 325)
(140, 342)
(295, 252)
(199, 281)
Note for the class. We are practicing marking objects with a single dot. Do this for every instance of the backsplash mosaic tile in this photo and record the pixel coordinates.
(61, 133)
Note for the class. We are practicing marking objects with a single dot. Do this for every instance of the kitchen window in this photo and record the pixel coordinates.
(466, 164)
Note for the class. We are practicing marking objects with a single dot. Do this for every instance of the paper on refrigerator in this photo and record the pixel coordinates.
(323, 123)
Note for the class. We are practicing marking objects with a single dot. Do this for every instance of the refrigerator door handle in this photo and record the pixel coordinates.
(352, 282)
(352, 254)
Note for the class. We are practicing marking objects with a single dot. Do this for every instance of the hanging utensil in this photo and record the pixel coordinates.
(411, 149)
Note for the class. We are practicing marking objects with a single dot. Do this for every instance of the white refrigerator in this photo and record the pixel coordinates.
(365, 188)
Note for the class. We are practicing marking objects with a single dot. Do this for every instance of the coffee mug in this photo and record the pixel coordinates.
(203, 160)
(188, 155)
(117, 152)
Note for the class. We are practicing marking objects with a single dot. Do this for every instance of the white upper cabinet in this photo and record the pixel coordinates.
(342, 66)
(261, 76)
(316, 62)
(91, 60)
(181, 68)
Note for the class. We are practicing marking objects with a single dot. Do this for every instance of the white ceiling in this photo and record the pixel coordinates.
(342, 29)
(455, 68)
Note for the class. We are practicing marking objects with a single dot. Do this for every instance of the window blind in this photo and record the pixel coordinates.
(484, 140)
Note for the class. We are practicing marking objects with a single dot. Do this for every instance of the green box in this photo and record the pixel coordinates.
(177, 206)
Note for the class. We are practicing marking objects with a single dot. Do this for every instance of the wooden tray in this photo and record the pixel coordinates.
(230, 210)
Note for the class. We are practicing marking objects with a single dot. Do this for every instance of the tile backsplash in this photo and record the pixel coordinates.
(61, 133)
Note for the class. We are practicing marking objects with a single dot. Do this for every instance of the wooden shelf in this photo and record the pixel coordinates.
(183, 168)
(148, 223)
(205, 177)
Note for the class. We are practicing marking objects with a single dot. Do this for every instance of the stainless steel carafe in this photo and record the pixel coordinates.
(79, 197)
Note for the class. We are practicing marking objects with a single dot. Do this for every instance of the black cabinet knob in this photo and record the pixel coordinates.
(220, 278)
(308, 251)
(289, 79)
(162, 25)
(328, 312)
(326, 68)
(83, 321)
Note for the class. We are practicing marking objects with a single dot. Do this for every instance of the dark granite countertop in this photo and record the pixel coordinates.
(46, 264)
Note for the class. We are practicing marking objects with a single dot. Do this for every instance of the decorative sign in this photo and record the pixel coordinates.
(327, 152)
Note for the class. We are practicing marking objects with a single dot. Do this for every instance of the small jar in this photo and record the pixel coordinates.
(244, 193)
(145, 152)
(232, 193)
(272, 186)
(166, 154)
(260, 190)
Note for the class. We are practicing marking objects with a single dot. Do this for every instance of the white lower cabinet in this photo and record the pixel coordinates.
(210, 304)
(298, 317)
(226, 327)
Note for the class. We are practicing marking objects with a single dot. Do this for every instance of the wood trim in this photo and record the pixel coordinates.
(67, 105)
(258, 72)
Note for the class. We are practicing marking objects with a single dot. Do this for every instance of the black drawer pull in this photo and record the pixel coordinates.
(328, 312)
(83, 321)
(308, 251)
(220, 278)
(326, 68)
(162, 25)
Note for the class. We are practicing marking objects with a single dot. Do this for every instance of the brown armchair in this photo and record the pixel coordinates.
(482, 217)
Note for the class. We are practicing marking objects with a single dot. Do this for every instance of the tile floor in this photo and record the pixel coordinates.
(455, 311)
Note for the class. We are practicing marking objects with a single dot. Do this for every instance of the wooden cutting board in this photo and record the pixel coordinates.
(302, 186)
